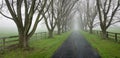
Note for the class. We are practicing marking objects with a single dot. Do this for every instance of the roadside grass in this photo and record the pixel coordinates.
(12, 41)
(106, 48)
(41, 48)
(111, 33)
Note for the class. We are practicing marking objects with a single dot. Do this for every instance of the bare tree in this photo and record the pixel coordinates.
(82, 10)
(91, 14)
(50, 19)
(31, 8)
(87, 12)
(107, 13)
(64, 10)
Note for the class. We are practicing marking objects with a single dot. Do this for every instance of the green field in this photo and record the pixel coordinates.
(42, 48)
(111, 29)
(106, 48)
(36, 36)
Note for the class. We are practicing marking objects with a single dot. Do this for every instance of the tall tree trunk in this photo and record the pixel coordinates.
(62, 30)
(59, 30)
(104, 33)
(85, 28)
(91, 30)
(23, 41)
(66, 28)
(50, 34)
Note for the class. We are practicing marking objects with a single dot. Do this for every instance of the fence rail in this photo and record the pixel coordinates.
(40, 35)
(8, 42)
(110, 35)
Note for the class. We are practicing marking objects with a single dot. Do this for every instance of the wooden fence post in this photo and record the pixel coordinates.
(107, 34)
(36, 36)
(41, 35)
(3, 44)
(45, 35)
(116, 37)
(101, 33)
(98, 33)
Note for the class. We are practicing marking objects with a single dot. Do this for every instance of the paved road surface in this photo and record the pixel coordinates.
(76, 47)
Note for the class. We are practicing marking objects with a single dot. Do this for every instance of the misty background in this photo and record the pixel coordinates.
(7, 26)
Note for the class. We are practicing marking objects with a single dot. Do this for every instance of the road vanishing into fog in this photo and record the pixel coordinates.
(76, 46)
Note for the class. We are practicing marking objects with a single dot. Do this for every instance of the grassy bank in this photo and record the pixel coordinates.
(42, 48)
(106, 48)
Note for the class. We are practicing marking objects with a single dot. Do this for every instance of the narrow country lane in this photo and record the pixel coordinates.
(76, 47)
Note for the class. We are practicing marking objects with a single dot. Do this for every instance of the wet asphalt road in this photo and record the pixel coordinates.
(76, 47)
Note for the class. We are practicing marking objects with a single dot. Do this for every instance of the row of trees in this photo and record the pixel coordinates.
(55, 13)
(103, 13)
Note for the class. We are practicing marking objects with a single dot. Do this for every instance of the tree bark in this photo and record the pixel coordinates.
(50, 34)
(91, 30)
(104, 32)
(58, 28)
(23, 41)
(59, 31)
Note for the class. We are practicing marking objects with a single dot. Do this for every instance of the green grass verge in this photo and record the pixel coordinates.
(42, 48)
(106, 48)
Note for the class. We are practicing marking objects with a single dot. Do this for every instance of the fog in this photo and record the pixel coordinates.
(8, 26)
(76, 25)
